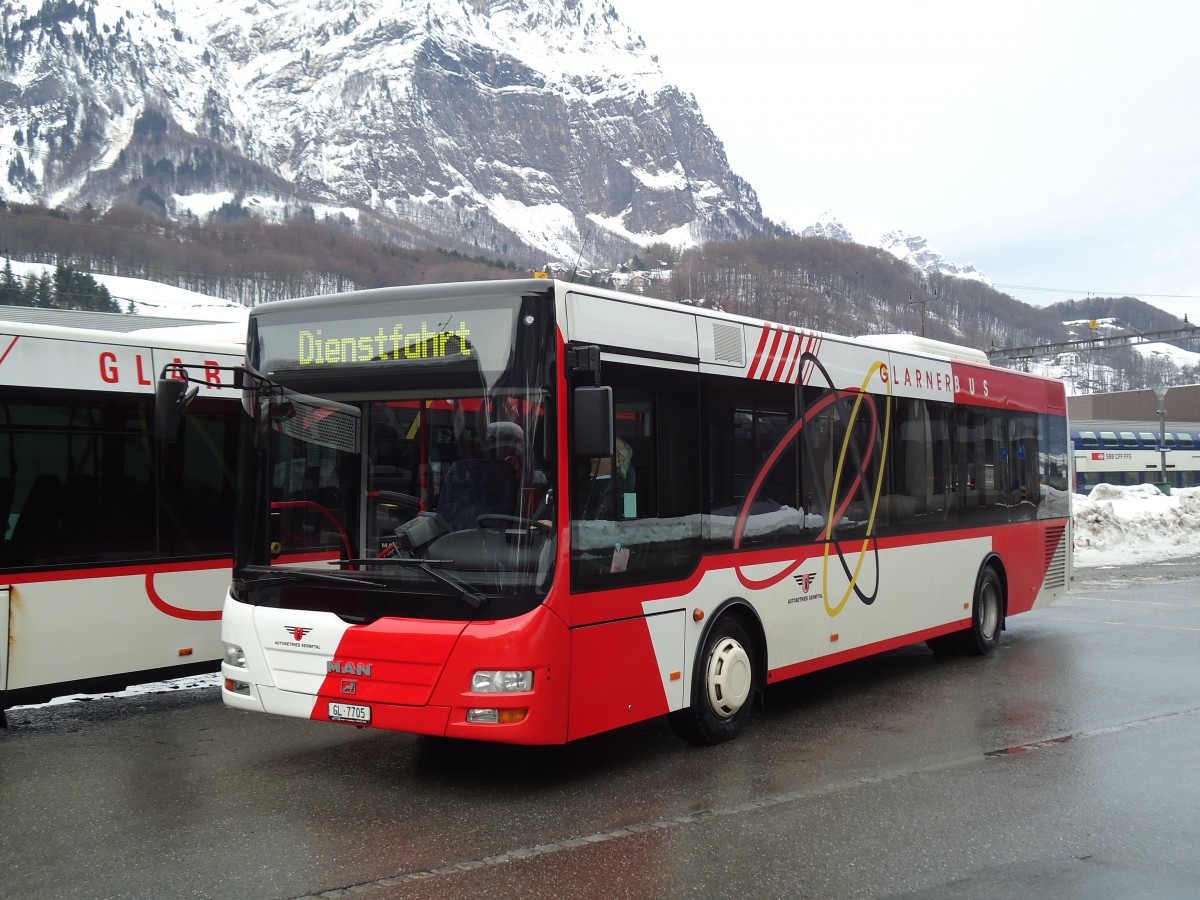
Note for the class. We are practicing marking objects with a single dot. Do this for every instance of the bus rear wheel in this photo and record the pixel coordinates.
(723, 687)
(987, 615)
(987, 619)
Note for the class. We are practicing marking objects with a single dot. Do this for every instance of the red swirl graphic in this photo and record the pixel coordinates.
(191, 615)
(830, 397)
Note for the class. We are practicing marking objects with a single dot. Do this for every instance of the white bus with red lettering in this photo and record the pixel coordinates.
(1135, 452)
(114, 550)
(531, 511)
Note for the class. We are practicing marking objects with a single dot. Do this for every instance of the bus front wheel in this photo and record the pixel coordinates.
(723, 687)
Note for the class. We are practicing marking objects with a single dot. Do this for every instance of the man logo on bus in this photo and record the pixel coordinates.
(296, 633)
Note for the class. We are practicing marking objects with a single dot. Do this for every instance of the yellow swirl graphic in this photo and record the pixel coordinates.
(837, 480)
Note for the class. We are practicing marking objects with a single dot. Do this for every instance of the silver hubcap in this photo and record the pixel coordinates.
(989, 610)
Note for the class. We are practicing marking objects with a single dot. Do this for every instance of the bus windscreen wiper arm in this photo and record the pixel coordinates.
(472, 596)
(301, 575)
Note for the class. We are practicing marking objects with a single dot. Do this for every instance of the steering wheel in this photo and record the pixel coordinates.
(518, 521)
(395, 497)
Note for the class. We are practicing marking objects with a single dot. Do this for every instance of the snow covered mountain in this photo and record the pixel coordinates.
(912, 249)
(528, 129)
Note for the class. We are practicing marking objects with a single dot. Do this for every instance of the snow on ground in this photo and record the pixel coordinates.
(191, 682)
(1114, 526)
(148, 298)
(1117, 526)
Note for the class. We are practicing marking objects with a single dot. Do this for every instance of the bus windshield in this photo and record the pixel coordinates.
(413, 476)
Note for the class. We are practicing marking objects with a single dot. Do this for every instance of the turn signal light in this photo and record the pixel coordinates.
(496, 716)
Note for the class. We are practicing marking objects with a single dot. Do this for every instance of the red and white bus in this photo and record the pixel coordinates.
(114, 551)
(531, 511)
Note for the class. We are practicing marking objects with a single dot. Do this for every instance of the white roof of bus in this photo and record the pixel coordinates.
(912, 343)
(226, 337)
(96, 321)
(901, 343)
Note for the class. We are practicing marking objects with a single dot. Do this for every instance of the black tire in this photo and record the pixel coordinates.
(987, 615)
(945, 645)
(724, 686)
(987, 620)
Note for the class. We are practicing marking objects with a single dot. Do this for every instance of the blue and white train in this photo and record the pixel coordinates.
(1131, 453)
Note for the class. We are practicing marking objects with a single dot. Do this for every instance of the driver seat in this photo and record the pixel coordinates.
(476, 487)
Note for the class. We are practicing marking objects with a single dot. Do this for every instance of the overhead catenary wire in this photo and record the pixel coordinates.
(1094, 294)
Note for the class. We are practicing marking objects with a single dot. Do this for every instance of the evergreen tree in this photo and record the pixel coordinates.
(40, 291)
(10, 286)
(78, 290)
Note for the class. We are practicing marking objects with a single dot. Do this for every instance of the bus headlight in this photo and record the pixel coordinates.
(234, 656)
(501, 681)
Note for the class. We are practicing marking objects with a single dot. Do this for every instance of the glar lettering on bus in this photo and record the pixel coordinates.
(113, 372)
(315, 349)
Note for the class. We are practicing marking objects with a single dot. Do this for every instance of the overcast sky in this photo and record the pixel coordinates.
(1055, 144)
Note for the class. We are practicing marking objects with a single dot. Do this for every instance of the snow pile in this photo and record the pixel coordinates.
(1117, 525)
(187, 683)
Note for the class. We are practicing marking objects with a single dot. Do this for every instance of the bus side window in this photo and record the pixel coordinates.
(1023, 454)
(920, 463)
(651, 530)
(197, 495)
(751, 478)
(35, 533)
(7, 489)
(82, 479)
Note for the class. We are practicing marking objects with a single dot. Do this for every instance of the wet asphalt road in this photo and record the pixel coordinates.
(1067, 765)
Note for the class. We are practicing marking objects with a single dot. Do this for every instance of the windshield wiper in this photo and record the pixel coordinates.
(468, 593)
(304, 575)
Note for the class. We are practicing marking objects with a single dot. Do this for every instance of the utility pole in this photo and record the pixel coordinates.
(1161, 392)
(921, 303)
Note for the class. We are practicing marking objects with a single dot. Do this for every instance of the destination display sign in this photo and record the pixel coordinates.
(482, 338)
(315, 347)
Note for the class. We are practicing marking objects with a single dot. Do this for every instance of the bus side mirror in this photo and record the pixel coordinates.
(593, 427)
(171, 395)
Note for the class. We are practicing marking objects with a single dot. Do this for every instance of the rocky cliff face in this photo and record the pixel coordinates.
(532, 129)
